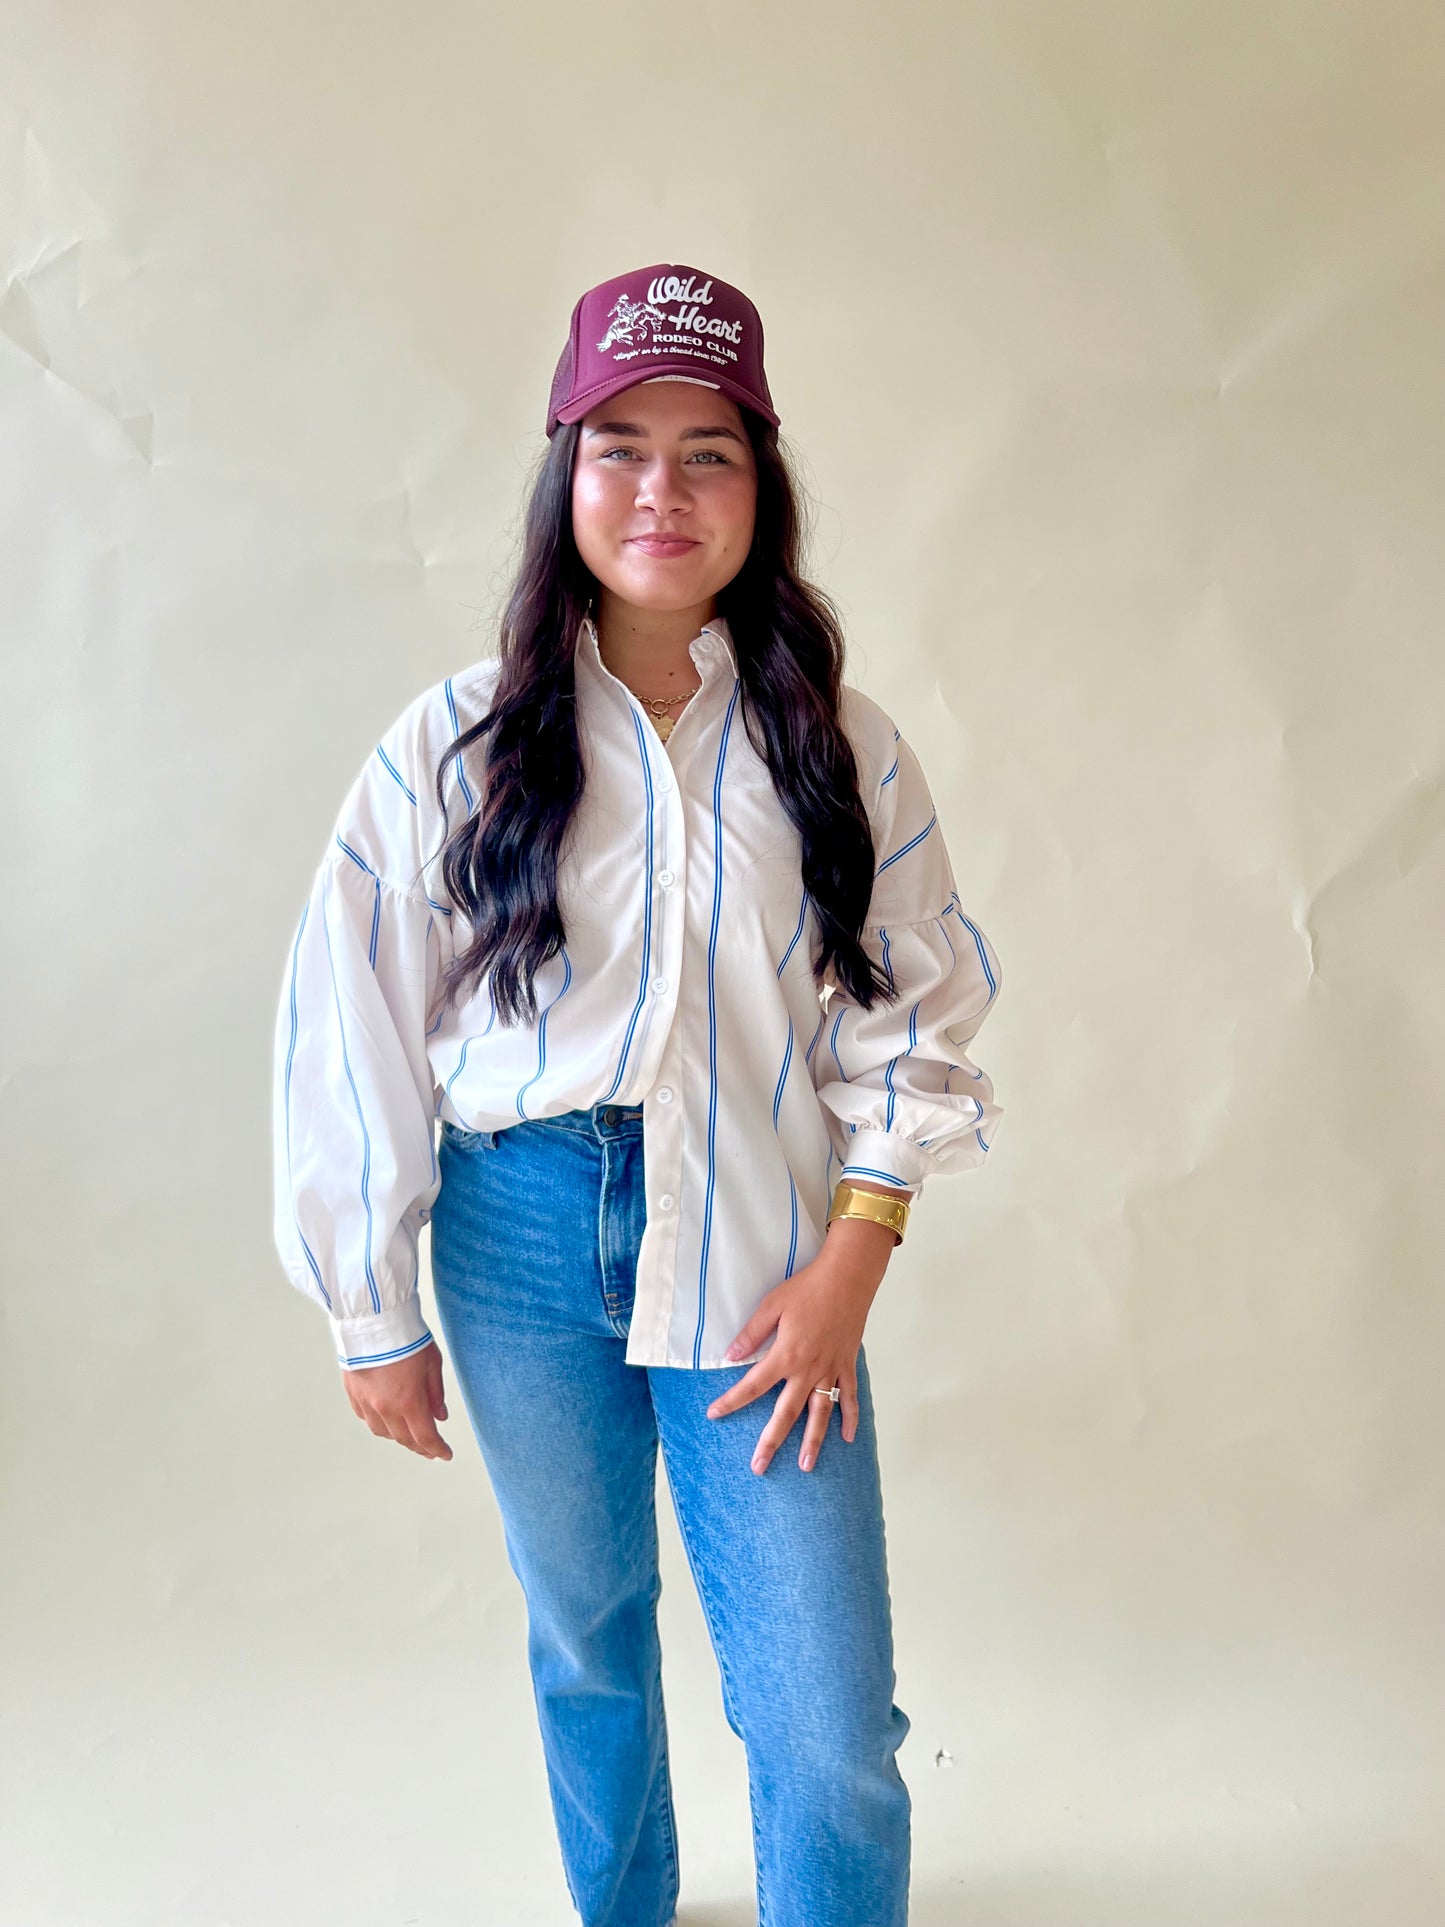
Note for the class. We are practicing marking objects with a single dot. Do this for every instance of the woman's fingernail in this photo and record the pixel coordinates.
(808, 1461)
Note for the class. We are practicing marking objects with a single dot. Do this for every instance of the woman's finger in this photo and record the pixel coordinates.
(753, 1383)
(848, 1402)
(820, 1411)
(762, 1322)
(436, 1386)
(384, 1421)
(791, 1400)
(424, 1438)
(409, 1424)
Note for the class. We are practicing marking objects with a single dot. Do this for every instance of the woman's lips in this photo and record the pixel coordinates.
(662, 545)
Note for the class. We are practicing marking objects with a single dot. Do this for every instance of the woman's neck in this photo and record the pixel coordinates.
(648, 648)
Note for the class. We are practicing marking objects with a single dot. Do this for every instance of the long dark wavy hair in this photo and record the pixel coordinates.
(500, 865)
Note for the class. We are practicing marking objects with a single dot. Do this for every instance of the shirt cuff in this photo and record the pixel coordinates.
(380, 1338)
(886, 1156)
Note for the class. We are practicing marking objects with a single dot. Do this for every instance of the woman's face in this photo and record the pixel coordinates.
(664, 458)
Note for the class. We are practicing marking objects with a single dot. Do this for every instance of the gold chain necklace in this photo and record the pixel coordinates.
(658, 706)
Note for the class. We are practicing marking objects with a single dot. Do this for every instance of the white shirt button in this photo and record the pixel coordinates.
(664, 1093)
(664, 782)
(659, 984)
(667, 878)
(666, 1201)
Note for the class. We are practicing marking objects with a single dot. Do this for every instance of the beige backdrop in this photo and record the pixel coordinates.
(1110, 342)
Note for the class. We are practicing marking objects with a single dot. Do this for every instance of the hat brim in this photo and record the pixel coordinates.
(580, 405)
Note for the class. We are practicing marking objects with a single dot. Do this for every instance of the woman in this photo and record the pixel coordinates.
(653, 913)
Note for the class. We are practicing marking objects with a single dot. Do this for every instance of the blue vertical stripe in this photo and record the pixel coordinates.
(911, 844)
(401, 781)
(355, 1094)
(457, 761)
(792, 1187)
(467, 1043)
(793, 940)
(431, 931)
(542, 1035)
(957, 910)
(717, 893)
(431, 1142)
(638, 726)
(362, 864)
(833, 1044)
(359, 861)
(892, 1093)
(888, 1067)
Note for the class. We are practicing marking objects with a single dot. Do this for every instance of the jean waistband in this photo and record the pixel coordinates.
(596, 1121)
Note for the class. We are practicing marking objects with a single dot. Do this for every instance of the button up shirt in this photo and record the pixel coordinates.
(685, 986)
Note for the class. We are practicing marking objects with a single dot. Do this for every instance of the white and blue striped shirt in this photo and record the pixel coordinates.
(684, 986)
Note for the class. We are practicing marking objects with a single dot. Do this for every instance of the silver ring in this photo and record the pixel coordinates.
(828, 1391)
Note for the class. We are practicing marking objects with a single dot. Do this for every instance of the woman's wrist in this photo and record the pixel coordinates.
(859, 1240)
(862, 1240)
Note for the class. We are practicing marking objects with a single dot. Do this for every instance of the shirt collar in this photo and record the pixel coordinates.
(713, 643)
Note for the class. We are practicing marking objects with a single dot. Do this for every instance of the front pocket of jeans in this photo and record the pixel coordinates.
(462, 1139)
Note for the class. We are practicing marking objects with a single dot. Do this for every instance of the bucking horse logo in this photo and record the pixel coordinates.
(626, 318)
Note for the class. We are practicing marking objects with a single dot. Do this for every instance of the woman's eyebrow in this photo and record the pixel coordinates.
(687, 434)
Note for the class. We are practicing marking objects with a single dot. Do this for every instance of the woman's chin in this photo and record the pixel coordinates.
(661, 584)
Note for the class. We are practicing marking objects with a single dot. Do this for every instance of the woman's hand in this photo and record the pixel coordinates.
(819, 1314)
(403, 1401)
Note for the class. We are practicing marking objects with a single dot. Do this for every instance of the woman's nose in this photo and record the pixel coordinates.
(663, 484)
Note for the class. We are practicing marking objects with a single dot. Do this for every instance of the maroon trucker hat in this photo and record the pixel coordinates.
(666, 321)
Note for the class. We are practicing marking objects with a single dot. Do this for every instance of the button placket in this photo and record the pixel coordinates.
(664, 960)
(655, 1299)
(668, 908)
(652, 1309)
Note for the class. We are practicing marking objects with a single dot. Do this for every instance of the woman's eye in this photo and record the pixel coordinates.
(716, 454)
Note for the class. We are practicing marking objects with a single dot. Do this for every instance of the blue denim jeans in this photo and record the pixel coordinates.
(535, 1235)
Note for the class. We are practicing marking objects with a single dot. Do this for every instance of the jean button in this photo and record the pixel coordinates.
(609, 1116)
